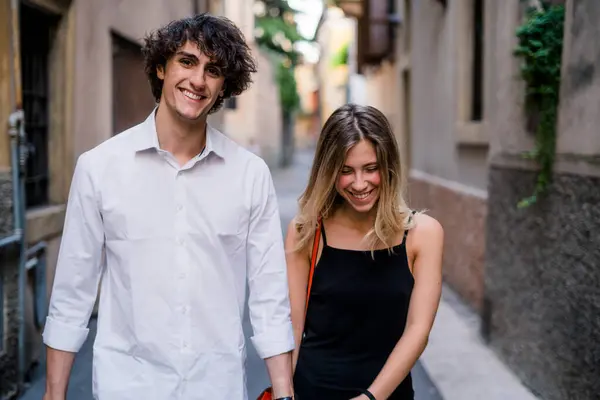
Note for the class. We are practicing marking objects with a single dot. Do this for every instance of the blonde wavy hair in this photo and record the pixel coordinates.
(347, 126)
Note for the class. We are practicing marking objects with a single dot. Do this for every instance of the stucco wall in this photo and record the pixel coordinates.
(434, 67)
(258, 113)
(541, 282)
(507, 123)
(378, 93)
(580, 90)
(335, 31)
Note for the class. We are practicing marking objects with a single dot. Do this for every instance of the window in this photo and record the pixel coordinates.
(477, 71)
(407, 25)
(471, 63)
(36, 33)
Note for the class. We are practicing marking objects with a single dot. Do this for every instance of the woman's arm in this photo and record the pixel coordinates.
(298, 265)
(425, 242)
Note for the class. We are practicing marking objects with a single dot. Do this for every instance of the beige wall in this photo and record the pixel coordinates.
(306, 126)
(335, 31)
(508, 134)
(258, 113)
(436, 92)
(379, 82)
(578, 142)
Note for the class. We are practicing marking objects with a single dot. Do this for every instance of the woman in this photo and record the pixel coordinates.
(377, 282)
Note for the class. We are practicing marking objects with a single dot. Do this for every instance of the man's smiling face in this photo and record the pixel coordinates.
(192, 83)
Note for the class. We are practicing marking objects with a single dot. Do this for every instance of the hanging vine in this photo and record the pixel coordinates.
(540, 48)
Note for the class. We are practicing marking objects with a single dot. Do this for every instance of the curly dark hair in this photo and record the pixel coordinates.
(217, 37)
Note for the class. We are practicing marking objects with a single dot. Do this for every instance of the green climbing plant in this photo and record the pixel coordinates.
(340, 57)
(540, 40)
(288, 91)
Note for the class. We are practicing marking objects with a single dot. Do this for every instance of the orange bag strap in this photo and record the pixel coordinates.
(313, 261)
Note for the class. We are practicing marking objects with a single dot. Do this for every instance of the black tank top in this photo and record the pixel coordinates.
(356, 314)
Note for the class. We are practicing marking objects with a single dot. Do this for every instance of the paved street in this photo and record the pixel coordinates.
(288, 183)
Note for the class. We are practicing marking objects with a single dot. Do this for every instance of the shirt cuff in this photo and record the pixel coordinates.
(61, 336)
(276, 340)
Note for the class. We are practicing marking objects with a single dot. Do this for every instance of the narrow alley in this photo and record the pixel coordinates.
(493, 106)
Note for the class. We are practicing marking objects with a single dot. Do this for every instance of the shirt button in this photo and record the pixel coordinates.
(180, 241)
(179, 207)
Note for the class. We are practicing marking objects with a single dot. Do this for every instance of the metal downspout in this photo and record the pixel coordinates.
(17, 133)
(18, 158)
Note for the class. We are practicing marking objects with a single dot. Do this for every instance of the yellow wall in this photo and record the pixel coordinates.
(336, 31)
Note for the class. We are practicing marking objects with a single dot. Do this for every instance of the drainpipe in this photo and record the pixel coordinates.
(18, 159)
(14, 121)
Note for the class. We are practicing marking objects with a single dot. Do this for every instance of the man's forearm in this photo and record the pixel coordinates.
(58, 366)
(280, 373)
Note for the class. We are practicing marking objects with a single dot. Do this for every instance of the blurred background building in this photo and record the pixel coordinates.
(476, 147)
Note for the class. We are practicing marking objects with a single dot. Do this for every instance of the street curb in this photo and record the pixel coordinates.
(460, 364)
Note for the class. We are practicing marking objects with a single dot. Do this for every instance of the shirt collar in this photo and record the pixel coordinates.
(149, 138)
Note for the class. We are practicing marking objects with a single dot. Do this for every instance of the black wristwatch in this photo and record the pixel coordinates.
(285, 398)
(368, 394)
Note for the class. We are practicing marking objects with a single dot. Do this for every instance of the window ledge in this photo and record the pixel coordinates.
(45, 222)
(471, 134)
(54, 6)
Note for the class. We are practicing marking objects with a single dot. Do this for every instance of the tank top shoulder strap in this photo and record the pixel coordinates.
(406, 231)
(323, 234)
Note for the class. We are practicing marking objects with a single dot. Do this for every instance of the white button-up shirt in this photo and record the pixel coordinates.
(175, 247)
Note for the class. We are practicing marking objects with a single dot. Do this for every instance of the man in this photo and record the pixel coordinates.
(175, 218)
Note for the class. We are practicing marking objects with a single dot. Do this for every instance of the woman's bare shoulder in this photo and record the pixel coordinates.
(426, 228)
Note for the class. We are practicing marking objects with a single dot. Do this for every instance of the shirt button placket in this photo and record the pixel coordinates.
(181, 260)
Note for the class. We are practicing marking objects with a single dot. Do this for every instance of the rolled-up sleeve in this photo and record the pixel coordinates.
(268, 301)
(79, 267)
